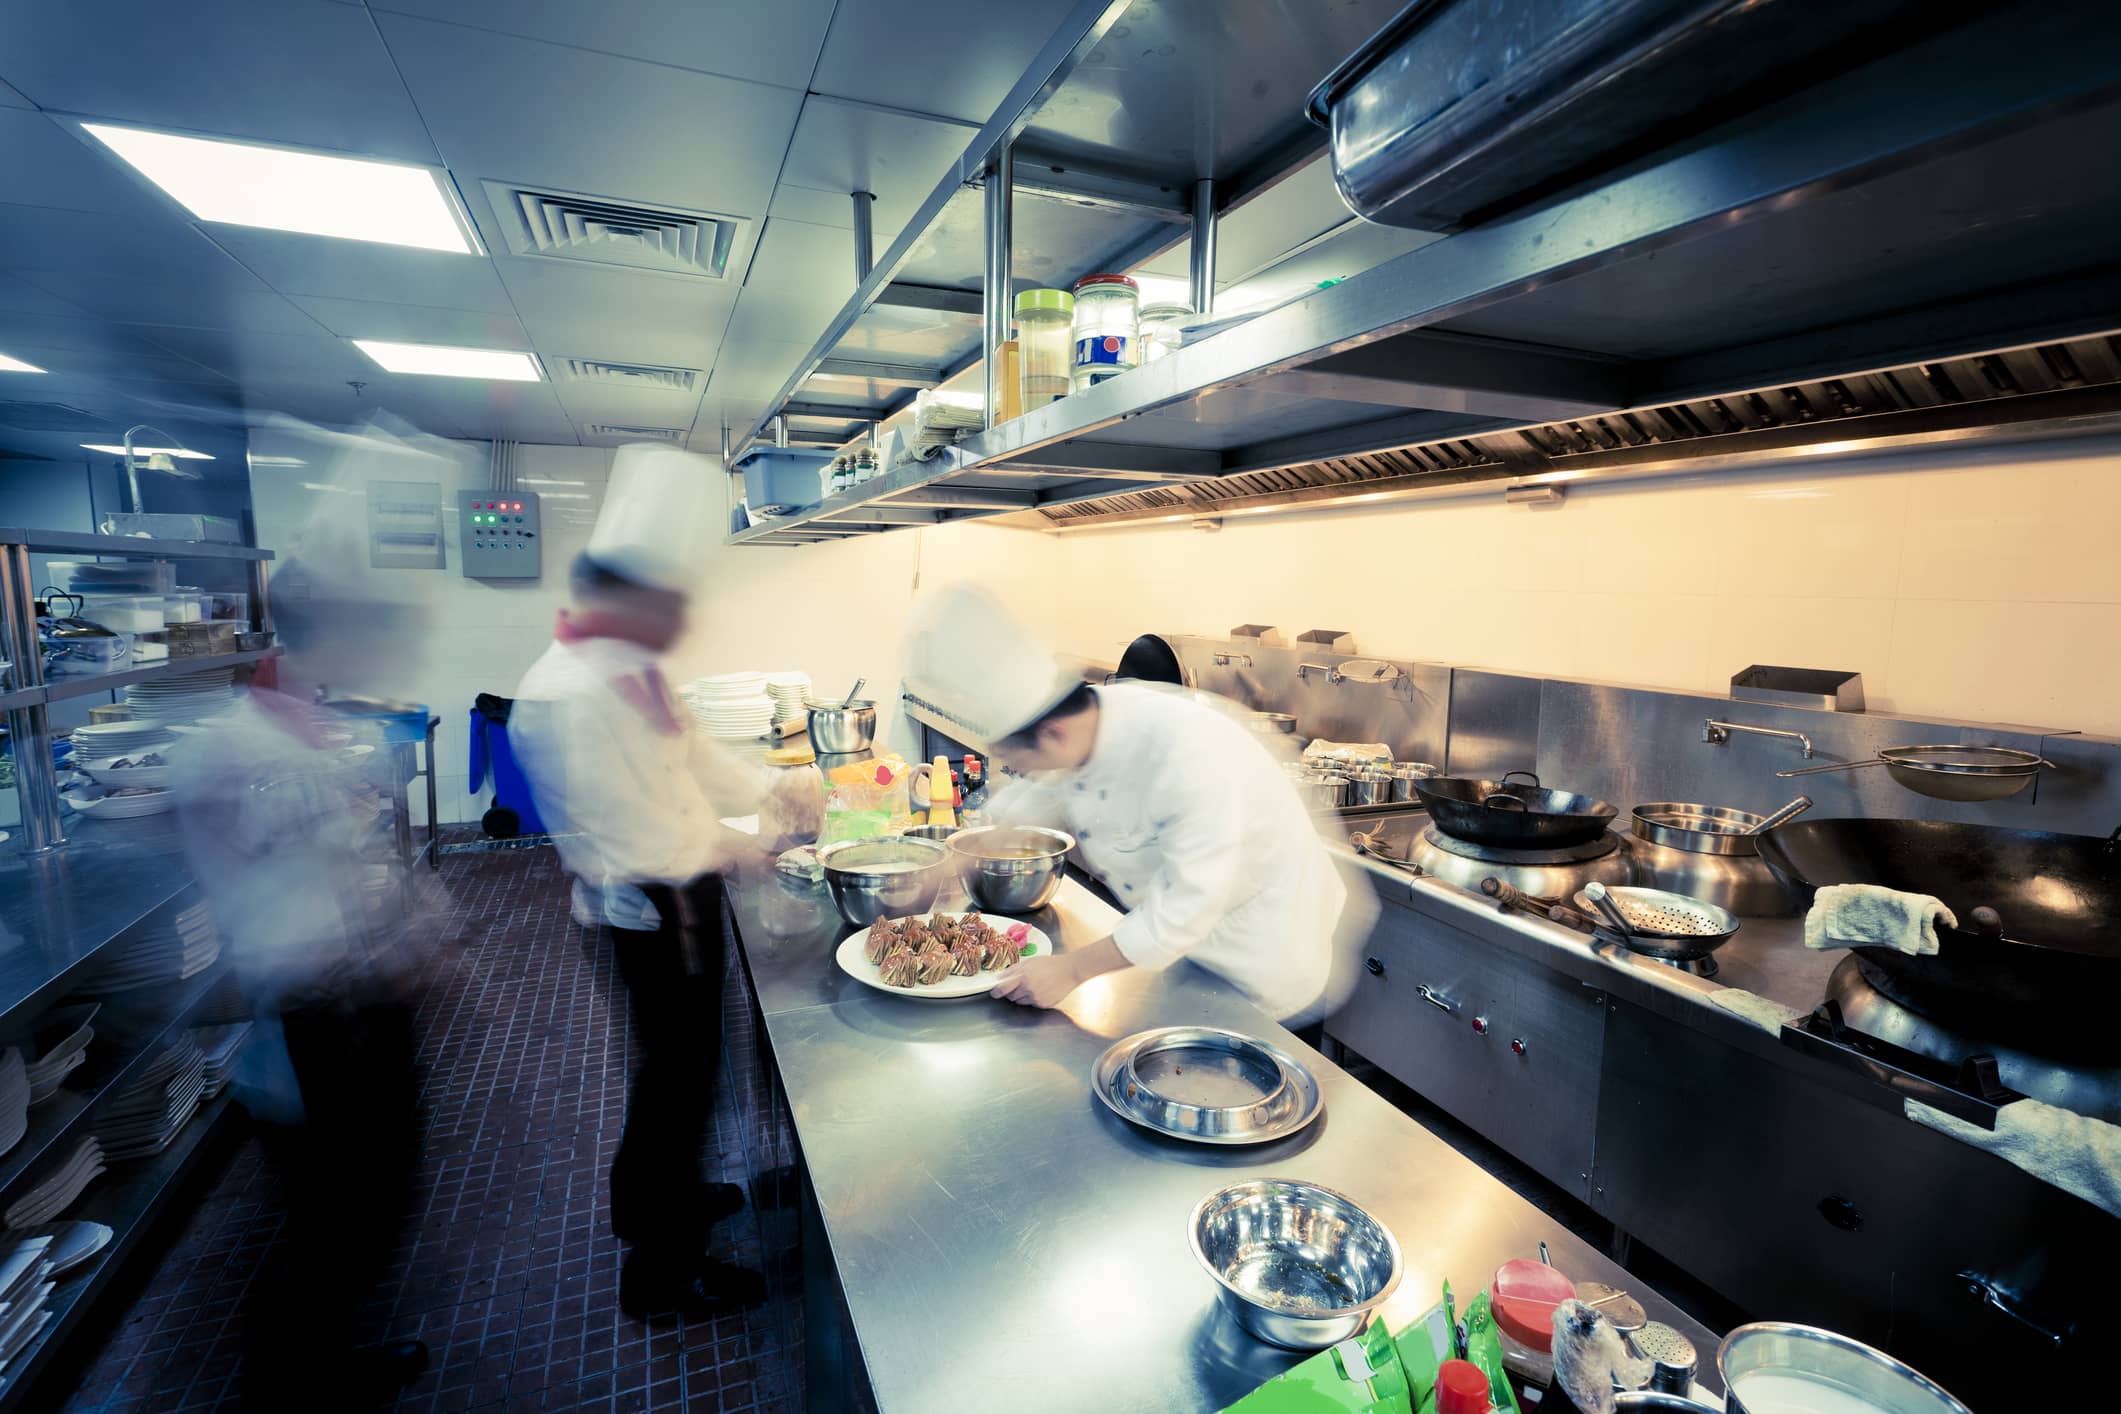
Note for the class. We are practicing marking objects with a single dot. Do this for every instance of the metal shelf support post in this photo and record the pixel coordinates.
(29, 728)
(1001, 175)
(864, 234)
(1201, 266)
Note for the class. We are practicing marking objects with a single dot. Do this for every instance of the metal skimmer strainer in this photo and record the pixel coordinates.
(1657, 922)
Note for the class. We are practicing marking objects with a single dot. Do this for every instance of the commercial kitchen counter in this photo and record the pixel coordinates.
(1002, 1240)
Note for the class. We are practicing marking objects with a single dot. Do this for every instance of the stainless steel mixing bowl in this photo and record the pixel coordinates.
(1797, 1357)
(839, 729)
(883, 878)
(1297, 1265)
(1012, 868)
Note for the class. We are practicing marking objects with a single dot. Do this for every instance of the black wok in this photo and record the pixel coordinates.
(1510, 815)
(2037, 953)
(1151, 658)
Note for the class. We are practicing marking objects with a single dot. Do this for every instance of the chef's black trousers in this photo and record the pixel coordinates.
(674, 979)
(347, 1175)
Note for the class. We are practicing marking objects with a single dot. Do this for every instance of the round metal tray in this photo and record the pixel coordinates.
(1142, 1079)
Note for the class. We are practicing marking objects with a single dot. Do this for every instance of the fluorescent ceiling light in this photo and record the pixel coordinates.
(181, 453)
(451, 362)
(279, 189)
(16, 365)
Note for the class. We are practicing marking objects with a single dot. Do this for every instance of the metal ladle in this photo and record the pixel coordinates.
(1783, 816)
(856, 692)
(1596, 893)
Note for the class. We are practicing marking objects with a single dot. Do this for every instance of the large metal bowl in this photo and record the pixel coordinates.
(1781, 1351)
(1297, 1265)
(842, 729)
(883, 878)
(1012, 868)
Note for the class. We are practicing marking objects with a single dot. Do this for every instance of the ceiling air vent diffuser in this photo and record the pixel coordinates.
(573, 226)
(48, 417)
(619, 432)
(642, 377)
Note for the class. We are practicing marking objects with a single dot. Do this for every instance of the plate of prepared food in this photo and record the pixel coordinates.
(939, 957)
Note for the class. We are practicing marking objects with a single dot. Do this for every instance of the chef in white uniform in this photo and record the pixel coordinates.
(633, 800)
(1181, 811)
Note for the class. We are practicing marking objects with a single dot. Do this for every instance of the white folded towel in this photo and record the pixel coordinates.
(2075, 1153)
(1749, 1006)
(1873, 916)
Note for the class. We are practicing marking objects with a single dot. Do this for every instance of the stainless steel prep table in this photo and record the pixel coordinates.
(1001, 1239)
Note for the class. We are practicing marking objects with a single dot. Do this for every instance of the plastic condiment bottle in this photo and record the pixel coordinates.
(940, 809)
(1461, 1389)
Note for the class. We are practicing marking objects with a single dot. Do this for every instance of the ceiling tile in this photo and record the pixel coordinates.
(676, 345)
(119, 358)
(48, 165)
(626, 310)
(776, 44)
(844, 147)
(364, 270)
(258, 359)
(11, 98)
(957, 58)
(817, 208)
(801, 277)
(591, 402)
(130, 298)
(304, 72)
(19, 297)
(515, 110)
(52, 332)
(414, 324)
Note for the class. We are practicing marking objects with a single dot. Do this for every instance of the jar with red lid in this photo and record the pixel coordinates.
(1107, 326)
(1523, 1297)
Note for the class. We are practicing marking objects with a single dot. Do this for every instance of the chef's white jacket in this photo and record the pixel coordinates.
(1195, 828)
(630, 793)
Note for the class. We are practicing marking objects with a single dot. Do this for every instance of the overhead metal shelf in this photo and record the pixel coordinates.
(93, 683)
(72, 542)
(1929, 204)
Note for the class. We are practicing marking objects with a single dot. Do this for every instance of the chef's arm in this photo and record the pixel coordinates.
(1196, 887)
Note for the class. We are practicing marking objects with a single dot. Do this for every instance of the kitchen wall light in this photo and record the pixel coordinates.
(279, 189)
(446, 362)
(16, 365)
(118, 450)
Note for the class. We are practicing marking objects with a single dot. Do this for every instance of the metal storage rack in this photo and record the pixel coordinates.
(1927, 203)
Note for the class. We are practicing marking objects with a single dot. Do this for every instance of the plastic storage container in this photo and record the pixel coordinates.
(1106, 329)
(1523, 1297)
(113, 576)
(1045, 352)
(126, 613)
(231, 605)
(1162, 329)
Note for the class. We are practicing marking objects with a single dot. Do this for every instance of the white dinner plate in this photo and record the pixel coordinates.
(857, 965)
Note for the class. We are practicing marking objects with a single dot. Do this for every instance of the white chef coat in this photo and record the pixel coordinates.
(630, 792)
(1197, 831)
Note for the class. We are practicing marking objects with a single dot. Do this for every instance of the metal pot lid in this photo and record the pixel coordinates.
(1294, 1106)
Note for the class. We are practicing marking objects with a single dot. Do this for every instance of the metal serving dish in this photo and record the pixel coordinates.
(1369, 785)
(1207, 1085)
(1011, 868)
(1298, 1265)
(1767, 1354)
(843, 728)
(1274, 723)
(883, 878)
(1405, 774)
(1205, 1081)
(1320, 790)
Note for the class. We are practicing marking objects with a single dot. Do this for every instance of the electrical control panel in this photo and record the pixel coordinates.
(498, 534)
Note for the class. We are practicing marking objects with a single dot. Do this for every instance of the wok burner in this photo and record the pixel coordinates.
(1545, 873)
(2088, 1089)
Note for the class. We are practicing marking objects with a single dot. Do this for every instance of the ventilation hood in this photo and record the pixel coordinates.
(2070, 388)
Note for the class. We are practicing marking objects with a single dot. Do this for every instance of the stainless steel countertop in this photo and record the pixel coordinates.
(58, 910)
(1004, 1241)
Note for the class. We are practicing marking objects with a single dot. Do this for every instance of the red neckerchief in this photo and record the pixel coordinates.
(647, 692)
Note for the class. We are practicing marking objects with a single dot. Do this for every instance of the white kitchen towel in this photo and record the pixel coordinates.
(1872, 916)
(2076, 1153)
(1751, 1006)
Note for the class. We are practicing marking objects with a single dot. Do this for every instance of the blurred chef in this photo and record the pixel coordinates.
(633, 800)
(284, 808)
(1179, 809)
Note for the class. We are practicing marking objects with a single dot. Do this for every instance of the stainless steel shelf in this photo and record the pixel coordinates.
(1925, 205)
(21, 697)
(58, 910)
(72, 542)
(64, 688)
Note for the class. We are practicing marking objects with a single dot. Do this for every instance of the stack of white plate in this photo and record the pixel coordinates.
(186, 697)
(57, 1190)
(155, 1104)
(122, 803)
(160, 953)
(222, 1044)
(14, 1099)
(790, 693)
(100, 741)
(733, 706)
(63, 1034)
(25, 1285)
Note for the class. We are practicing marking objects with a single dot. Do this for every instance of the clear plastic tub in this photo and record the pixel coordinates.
(1162, 329)
(125, 613)
(1044, 351)
(1106, 329)
(113, 576)
(230, 605)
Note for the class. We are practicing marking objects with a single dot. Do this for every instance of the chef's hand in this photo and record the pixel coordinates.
(1039, 981)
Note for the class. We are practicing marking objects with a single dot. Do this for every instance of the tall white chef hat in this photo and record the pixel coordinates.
(656, 521)
(978, 664)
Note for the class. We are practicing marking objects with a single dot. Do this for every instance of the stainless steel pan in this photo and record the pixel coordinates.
(1513, 815)
(1949, 771)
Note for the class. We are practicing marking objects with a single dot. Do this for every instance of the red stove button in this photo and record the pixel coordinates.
(1517, 1046)
(1480, 1026)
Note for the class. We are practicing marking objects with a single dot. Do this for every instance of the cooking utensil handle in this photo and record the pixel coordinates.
(1596, 893)
(1499, 801)
(1992, 1296)
(1509, 896)
(1532, 775)
(1783, 816)
(1835, 766)
(858, 685)
(1568, 917)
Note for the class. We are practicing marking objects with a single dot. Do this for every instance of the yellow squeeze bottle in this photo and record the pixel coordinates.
(940, 796)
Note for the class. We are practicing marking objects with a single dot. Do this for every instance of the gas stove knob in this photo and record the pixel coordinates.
(1517, 1046)
(1480, 1026)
